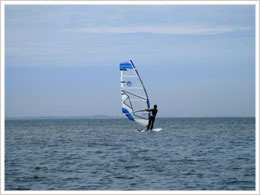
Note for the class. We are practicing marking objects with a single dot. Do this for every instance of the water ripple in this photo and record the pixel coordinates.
(108, 154)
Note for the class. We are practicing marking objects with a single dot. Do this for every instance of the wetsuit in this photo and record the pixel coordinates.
(152, 118)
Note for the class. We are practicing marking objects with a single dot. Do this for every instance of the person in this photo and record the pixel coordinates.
(154, 111)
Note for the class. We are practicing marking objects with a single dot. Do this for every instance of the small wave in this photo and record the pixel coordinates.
(131, 166)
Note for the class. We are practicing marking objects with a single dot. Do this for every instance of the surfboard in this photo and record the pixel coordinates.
(144, 130)
(157, 129)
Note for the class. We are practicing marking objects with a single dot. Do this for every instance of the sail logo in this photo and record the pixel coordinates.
(129, 83)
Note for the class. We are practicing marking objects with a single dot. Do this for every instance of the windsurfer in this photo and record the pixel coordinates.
(154, 111)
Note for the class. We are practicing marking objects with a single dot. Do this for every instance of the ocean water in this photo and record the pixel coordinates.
(109, 154)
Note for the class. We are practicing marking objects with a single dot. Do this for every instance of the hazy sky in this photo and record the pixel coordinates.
(195, 60)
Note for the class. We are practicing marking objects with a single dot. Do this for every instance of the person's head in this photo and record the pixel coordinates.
(155, 106)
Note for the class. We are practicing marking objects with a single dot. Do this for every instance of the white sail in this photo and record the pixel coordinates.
(133, 94)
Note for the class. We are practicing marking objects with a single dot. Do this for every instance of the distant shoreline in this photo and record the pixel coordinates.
(112, 117)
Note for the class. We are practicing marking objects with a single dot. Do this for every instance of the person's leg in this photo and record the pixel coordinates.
(149, 123)
(152, 123)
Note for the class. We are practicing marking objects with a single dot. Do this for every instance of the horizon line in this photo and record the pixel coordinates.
(109, 117)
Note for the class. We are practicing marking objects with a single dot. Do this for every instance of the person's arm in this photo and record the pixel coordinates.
(143, 110)
(149, 110)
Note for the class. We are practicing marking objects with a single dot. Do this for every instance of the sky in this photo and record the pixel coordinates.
(194, 60)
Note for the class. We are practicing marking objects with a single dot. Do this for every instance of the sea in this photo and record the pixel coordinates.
(110, 154)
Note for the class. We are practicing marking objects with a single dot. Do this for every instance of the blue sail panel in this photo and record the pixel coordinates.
(126, 112)
(126, 65)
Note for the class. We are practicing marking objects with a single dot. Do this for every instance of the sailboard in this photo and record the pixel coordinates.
(133, 94)
(144, 130)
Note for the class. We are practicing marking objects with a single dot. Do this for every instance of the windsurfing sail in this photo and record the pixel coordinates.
(133, 94)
